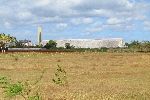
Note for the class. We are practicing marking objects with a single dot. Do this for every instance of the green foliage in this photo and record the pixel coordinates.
(68, 46)
(31, 91)
(60, 76)
(36, 97)
(136, 46)
(19, 45)
(6, 39)
(4, 81)
(28, 90)
(25, 89)
(50, 44)
(14, 89)
(11, 89)
(104, 49)
(38, 46)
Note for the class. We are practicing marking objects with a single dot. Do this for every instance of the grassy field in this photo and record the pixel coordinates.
(91, 76)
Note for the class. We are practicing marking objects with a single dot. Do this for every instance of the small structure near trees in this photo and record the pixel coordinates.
(24, 43)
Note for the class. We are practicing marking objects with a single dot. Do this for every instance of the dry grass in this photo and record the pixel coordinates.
(91, 76)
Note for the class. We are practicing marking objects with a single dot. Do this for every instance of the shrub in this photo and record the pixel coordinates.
(68, 46)
(50, 44)
(60, 76)
(25, 89)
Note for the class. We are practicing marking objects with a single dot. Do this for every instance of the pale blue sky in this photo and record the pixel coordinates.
(87, 19)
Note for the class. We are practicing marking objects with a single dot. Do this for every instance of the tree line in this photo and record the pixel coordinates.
(133, 46)
(138, 46)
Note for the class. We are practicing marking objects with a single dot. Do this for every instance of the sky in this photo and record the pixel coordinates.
(76, 19)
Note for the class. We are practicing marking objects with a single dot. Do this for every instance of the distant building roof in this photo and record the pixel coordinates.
(89, 39)
(89, 43)
(24, 41)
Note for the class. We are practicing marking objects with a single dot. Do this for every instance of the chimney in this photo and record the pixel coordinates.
(39, 35)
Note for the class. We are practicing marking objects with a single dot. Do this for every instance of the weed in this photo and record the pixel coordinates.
(35, 97)
(14, 56)
(11, 89)
(25, 89)
(60, 76)
(16, 59)
(14, 89)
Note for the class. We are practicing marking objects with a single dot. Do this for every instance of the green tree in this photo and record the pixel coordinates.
(51, 44)
(146, 46)
(68, 46)
(4, 39)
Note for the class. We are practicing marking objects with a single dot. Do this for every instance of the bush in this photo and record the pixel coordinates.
(68, 46)
(50, 44)
(25, 89)
(60, 76)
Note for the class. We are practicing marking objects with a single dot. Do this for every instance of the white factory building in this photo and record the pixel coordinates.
(89, 43)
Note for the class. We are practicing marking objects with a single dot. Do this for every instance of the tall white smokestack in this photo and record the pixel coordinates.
(39, 35)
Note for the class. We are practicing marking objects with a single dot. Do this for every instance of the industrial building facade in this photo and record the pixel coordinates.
(89, 43)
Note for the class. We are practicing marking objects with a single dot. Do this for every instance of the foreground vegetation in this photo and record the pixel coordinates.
(90, 76)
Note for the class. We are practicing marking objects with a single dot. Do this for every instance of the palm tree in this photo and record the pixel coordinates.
(6, 38)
